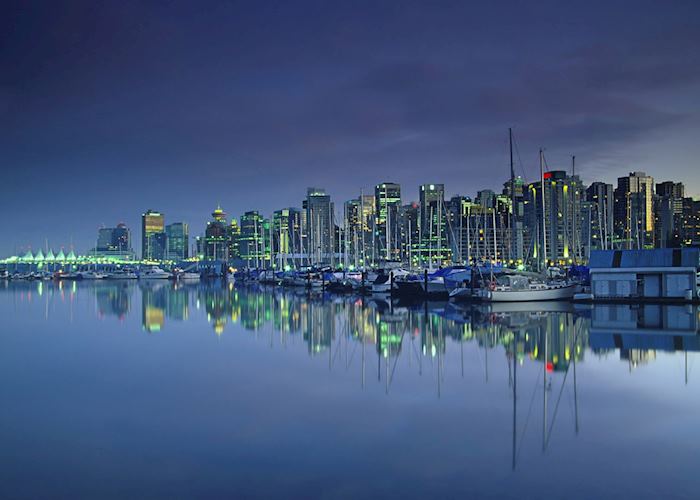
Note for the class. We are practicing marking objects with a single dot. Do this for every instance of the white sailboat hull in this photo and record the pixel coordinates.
(553, 293)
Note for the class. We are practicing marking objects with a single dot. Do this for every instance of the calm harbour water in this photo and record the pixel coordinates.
(155, 390)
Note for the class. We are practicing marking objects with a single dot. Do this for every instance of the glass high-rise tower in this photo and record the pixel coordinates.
(153, 239)
(387, 202)
(178, 236)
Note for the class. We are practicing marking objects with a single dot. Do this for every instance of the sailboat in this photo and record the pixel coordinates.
(516, 288)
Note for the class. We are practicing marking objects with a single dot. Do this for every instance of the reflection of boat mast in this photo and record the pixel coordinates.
(573, 353)
(515, 396)
(439, 353)
(561, 392)
(486, 353)
(362, 317)
(378, 340)
(544, 389)
(461, 353)
(386, 367)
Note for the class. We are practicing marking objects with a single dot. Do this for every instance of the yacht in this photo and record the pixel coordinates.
(154, 273)
(63, 275)
(416, 286)
(122, 274)
(516, 288)
(383, 283)
(90, 275)
(268, 277)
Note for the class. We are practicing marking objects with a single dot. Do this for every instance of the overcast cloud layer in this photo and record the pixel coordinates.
(108, 109)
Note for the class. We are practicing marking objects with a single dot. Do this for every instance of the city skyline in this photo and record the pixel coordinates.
(77, 238)
(639, 211)
(181, 108)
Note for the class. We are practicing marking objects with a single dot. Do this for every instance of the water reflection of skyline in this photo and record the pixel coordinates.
(551, 333)
(532, 349)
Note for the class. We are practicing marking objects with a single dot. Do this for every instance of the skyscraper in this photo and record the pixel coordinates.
(668, 213)
(456, 223)
(286, 237)
(601, 198)
(519, 236)
(153, 239)
(433, 237)
(690, 234)
(216, 241)
(234, 236)
(558, 241)
(252, 242)
(121, 239)
(319, 225)
(482, 233)
(486, 198)
(634, 210)
(178, 240)
(387, 201)
(409, 218)
(114, 242)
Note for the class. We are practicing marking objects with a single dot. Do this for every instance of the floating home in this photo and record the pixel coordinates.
(660, 275)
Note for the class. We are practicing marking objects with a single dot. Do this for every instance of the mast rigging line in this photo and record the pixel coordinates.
(520, 161)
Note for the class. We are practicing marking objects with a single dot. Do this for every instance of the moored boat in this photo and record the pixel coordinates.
(122, 274)
(516, 288)
(154, 273)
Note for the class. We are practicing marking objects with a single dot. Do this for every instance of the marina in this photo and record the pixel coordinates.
(662, 275)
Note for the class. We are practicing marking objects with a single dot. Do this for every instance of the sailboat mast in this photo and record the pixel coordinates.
(387, 233)
(469, 246)
(544, 214)
(430, 240)
(410, 261)
(495, 247)
(362, 227)
(574, 216)
(439, 229)
(513, 207)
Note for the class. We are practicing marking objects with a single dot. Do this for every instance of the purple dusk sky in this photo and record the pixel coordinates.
(111, 108)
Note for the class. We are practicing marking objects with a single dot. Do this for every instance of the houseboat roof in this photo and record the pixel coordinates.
(660, 257)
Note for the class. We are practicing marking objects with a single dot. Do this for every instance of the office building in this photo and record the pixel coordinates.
(216, 237)
(253, 245)
(433, 235)
(114, 242)
(668, 214)
(557, 231)
(387, 201)
(178, 240)
(409, 217)
(319, 226)
(286, 238)
(634, 211)
(153, 239)
(600, 214)
(518, 234)
(234, 235)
